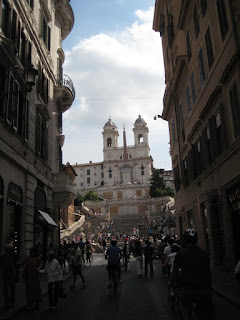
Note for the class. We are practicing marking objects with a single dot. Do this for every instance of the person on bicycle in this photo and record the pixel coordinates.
(194, 281)
(113, 255)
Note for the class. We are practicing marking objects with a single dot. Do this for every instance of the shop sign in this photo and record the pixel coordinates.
(15, 193)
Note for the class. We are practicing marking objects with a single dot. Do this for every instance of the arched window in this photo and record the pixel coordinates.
(109, 142)
(110, 172)
(140, 139)
(142, 170)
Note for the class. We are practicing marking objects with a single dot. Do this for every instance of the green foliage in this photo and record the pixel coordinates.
(79, 200)
(158, 187)
(91, 196)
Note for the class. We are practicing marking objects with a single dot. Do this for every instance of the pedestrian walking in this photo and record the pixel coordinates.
(8, 266)
(148, 253)
(137, 252)
(88, 252)
(77, 267)
(104, 244)
(31, 278)
(54, 275)
(82, 247)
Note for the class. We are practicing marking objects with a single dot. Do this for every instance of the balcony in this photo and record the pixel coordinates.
(65, 92)
(64, 191)
(65, 16)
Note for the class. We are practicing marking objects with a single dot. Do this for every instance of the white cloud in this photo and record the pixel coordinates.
(118, 75)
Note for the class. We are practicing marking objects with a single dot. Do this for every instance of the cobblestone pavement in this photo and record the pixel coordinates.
(143, 298)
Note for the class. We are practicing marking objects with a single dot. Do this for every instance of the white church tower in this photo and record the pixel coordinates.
(110, 140)
(141, 138)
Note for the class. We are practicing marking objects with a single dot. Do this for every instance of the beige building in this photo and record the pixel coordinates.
(202, 106)
(34, 93)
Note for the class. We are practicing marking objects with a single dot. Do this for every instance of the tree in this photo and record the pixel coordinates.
(79, 200)
(157, 185)
(91, 196)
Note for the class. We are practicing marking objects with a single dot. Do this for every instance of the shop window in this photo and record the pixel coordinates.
(208, 42)
(235, 107)
(222, 17)
(201, 67)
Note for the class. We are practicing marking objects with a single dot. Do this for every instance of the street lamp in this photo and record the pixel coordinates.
(31, 75)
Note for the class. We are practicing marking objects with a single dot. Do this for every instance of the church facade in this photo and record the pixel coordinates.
(125, 171)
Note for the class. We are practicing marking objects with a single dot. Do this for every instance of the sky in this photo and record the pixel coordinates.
(114, 59)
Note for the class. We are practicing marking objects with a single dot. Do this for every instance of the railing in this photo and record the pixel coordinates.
(67, 82)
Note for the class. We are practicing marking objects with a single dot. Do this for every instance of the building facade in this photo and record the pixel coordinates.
(202, 106)
(34, 93)
(126, 166)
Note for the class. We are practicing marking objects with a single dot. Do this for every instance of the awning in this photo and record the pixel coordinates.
(47, 217)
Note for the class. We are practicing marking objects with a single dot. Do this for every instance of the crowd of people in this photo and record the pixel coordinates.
(184, 264)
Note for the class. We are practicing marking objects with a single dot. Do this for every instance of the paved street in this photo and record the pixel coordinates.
(136, 298)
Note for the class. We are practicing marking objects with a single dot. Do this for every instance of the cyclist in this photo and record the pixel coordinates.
(194, 282)
(113, 255)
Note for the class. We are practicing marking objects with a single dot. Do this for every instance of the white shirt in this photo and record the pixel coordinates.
(172, 256)
(167, 250)
(53, 271)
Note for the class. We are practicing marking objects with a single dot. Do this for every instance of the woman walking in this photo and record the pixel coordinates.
(31, 278)
(54, 274)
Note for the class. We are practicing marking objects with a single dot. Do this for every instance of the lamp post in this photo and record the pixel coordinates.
(31, 75)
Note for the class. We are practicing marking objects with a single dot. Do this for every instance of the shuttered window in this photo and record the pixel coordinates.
(235, 106)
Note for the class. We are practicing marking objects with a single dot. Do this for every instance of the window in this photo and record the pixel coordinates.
(235, 106)
(173, 131)
(195, 21)
(41, 136)
(12, 101)
(190, 220)
(45, 31)
(189, 52)
(208, 42)
(182, 122)
(222, 17)
(42, 84)
(201, 67)
(140, 139)
(110, 172)
(170, 30)
(193, 88)
(88, 180)
(142, 170)
(109, 142)
(102, 175)
(162, 25)
(30, 3)
(23, 117)
(185, 173)
(5, 17)
(81, 184)
(203, 6)
(88, 172)
(177, 180)
(188, 99)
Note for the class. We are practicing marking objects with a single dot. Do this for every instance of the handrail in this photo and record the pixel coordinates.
(67, 82)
